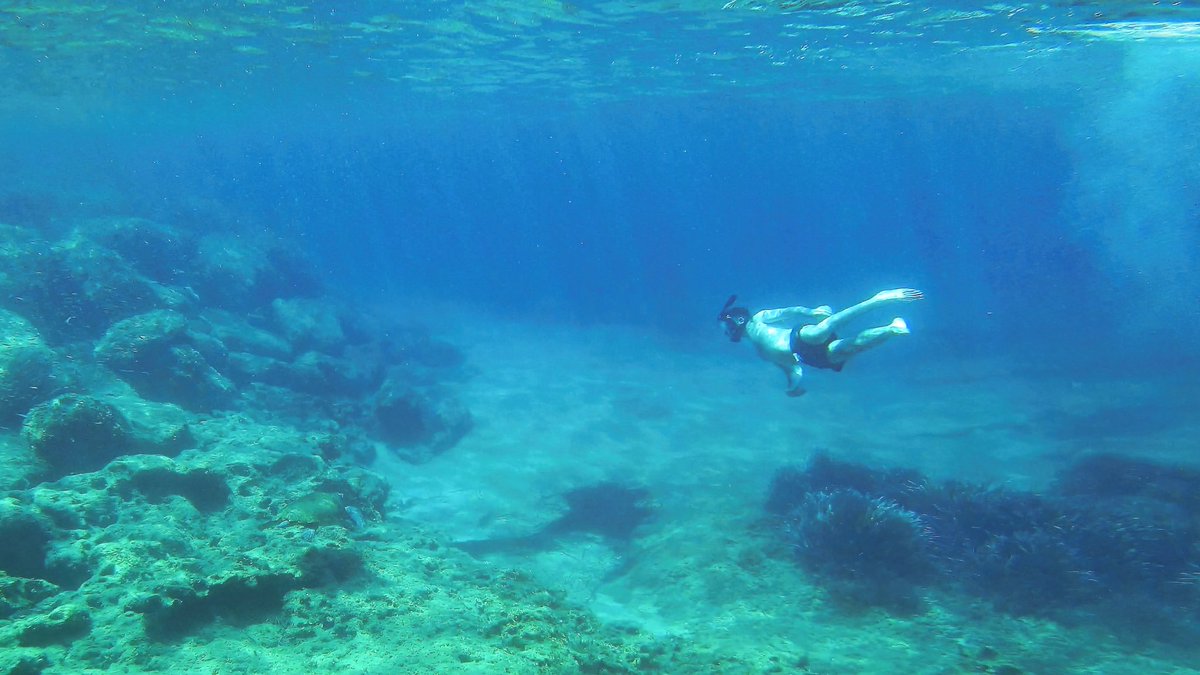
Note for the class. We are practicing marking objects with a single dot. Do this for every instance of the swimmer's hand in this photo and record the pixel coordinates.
(899, 295)
(822, 312)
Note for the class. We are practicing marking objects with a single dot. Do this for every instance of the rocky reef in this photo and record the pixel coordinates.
(129, 308)
(184, 423)
(266, 535)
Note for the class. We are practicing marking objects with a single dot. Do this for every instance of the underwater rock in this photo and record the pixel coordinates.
(183, 542)
(419, 423)
(234, 272)
(329, 566)
(316, 509)
(31, 562)
(330, 354)
(310, 373)
(19, 594)
(239, 335)
(249, 520)
(370, 492)
(26, 367)
(160, 252)
(74, 289)
(161, 358)
(413, 348)
(184, 550)
(315, 372)
(206, 491)
(240, 597)
(62, 625)
(138, 341)
(309, 324)
(159, 428)
(77, 434)
(24, 664)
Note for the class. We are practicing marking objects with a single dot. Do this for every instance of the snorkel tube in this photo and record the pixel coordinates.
(725, 310)
(734, 318)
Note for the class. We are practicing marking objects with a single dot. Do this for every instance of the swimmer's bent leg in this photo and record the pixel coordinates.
(818, 333)
(840, 350)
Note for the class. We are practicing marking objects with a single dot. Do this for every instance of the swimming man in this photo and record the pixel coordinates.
(783, 337)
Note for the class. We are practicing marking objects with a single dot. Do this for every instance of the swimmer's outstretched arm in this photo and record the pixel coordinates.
(793, 314)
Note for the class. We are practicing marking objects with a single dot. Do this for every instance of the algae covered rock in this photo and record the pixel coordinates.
(18, 594)
(140, 340)
(77, 434)
(75, 288)
(240, 335)
(62, 625)
(419, 422)
(309, 324)
(33, 564)
(159, 251)
(237, 272)
(158, 549)
(162, 359)
(26, 367)
(315, 509)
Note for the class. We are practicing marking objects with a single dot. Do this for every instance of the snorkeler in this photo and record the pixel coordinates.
(782, 337)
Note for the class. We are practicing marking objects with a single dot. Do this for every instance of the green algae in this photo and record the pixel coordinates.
(315, 509)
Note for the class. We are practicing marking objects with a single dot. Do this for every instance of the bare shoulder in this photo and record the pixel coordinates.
(764, 333)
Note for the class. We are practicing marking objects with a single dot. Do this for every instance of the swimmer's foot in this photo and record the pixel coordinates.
(898, 326)
(798, 391)
(899, 295)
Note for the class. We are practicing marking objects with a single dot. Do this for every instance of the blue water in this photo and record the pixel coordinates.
(1041, 187)
(626, 166)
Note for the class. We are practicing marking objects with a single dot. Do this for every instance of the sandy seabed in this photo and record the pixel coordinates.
(704, 426)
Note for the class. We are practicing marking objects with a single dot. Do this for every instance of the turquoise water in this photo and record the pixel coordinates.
(380, 337)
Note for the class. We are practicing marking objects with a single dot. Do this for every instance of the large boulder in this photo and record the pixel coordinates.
(160, 252)
(235, 272)
(26, 367)
(309, 324)
(164, 360)
(77, 434)
(75, 288)
(419, 422)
